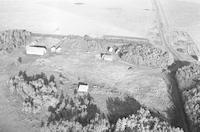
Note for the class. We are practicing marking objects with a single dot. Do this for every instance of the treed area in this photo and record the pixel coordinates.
(12, 39)
(77, 112)
(188, 76)
(146, 54)
(37, 91)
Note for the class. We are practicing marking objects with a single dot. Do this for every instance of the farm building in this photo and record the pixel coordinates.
(117, 50)
(82, 87)
(53, 49)
(35, 50)
(110, 49)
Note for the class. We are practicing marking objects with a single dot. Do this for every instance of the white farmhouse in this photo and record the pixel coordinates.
(110, 49)
(36, 50)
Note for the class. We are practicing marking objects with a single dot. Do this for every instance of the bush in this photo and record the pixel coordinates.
(95, 125)
(192, 105)
(37, 91)
(145, 54)
(187, 75)
(143, 121)
(11, 39)
(76, 114)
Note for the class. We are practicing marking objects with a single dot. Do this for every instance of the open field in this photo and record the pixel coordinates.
(95, 18)
(183, 15)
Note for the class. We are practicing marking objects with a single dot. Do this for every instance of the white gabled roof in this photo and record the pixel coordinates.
(83, 88)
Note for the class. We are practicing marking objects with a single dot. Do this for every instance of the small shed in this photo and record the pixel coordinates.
(36, 50)
(82, 87)
(53, 49)
(58, 49)
(110, 49)
(117, 51)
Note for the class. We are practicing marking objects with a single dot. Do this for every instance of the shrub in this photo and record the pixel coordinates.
(95, 125)
(187, 75)
(192, 105)
(143, 121)
(145, 54)
(11, 39)
(37, 91)
(76, 114)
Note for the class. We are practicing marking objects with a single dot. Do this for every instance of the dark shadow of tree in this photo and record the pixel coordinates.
(194, 57)
(118, 108)
(35, 77)
(178, 64)
(176, 114)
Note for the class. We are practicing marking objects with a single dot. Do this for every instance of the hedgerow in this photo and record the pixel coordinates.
(192, 106)
(145, 54)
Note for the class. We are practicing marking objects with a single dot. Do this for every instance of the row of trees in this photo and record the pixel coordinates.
(145, 54)
(188, 75)
(188, 79)
(11, 39)
(192, 106)
(37, 91)
(143, 121)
